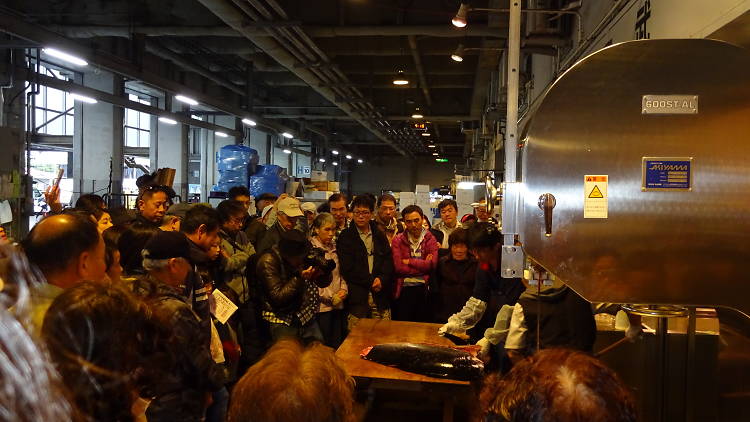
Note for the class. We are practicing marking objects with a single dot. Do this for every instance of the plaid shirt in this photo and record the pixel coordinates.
(310, 304)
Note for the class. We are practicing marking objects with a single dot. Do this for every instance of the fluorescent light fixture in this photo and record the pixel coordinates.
(468, 185)
(221, 134)
(65, 56)
(322, 160)
(167, 120)
(334, 152)
(193, 116)
(360, 161)
(400, 78)
(348, 157)
(335, 163)
(435, 153)
(458, 55)
(249, 122)
(287, 135)
(426, 134)
(287, 151)
(459, 20)
(431, 146)
(417, 115)
(186, 100)
(83, 98)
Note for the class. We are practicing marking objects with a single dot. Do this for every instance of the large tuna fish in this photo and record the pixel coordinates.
(435, 361)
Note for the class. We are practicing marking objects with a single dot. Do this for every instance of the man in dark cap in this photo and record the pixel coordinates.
(180, 390)
(290, 289)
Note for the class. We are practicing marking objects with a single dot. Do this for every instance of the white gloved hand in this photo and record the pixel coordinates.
(484, 352)
(633, 332)
(449, 328)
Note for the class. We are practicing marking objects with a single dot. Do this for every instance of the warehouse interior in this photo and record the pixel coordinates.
(372, 95)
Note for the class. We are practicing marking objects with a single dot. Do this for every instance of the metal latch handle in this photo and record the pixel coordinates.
(546, 203)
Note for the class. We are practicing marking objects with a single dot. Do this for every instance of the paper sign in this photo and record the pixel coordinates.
(6, 215)
(595, 196)
(221, 307)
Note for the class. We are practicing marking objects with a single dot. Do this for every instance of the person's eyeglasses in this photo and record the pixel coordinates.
(362, 213)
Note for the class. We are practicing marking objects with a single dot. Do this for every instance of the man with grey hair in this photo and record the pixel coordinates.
(180, 390)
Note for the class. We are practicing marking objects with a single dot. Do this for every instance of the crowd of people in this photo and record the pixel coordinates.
(191, 312)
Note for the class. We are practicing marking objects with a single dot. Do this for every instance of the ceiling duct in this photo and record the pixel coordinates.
(292, 48)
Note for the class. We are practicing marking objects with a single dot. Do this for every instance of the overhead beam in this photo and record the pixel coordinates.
(117, 64)
(257, 29)
(68, 86)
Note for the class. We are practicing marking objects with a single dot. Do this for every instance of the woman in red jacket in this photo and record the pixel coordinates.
(415, 256)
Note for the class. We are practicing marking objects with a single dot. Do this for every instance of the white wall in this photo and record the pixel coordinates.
(399, 174)
(667, 19)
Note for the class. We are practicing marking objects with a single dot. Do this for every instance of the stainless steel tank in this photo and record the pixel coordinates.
(668, 123)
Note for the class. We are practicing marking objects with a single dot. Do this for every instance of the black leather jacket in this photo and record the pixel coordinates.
(284, 292)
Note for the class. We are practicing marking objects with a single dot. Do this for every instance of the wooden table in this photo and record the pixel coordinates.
(369, 332)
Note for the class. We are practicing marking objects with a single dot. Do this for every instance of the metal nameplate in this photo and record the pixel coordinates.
(667, 174)
(669, 104)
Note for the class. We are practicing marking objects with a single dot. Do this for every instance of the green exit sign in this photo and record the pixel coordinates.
(441, 160)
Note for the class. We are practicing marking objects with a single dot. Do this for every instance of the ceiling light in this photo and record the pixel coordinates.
(334, 152)
(348, 157)
(287, 151)
(417, 114)
(458, 55)
(360, 161)
(65, 56)
(335, 163)
(431, 146)
(435, 153)
(193, 116)
(459, 20)
(322, 160)
(221, 134)
(287, 135)
(186, 100)
(83, 98)
(400, 78)
(167, 120)
(426, 134)
(249, 122)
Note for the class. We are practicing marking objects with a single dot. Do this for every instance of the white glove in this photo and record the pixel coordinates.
(484, 352)
(449, 327)
(633, 332)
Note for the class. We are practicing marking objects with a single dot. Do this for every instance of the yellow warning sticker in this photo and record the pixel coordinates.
(596, 193)
(595, 196)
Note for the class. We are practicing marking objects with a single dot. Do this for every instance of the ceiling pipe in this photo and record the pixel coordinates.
(230, 15)
(258, 30)
(168, 54)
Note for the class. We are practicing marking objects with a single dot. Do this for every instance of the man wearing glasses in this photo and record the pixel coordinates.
(366, 264)
(386, 217)
(337, 204)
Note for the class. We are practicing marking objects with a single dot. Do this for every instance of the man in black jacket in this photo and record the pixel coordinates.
(366, 264)
(290, 289)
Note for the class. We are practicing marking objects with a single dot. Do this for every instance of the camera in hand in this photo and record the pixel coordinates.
(316, 258)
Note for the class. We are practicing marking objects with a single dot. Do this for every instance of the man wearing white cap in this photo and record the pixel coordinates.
(311, 211)
(288, 211)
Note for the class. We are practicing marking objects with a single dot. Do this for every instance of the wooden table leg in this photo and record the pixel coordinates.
(448, 407)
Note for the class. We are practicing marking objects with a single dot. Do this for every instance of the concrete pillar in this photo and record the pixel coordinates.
(98, 138)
